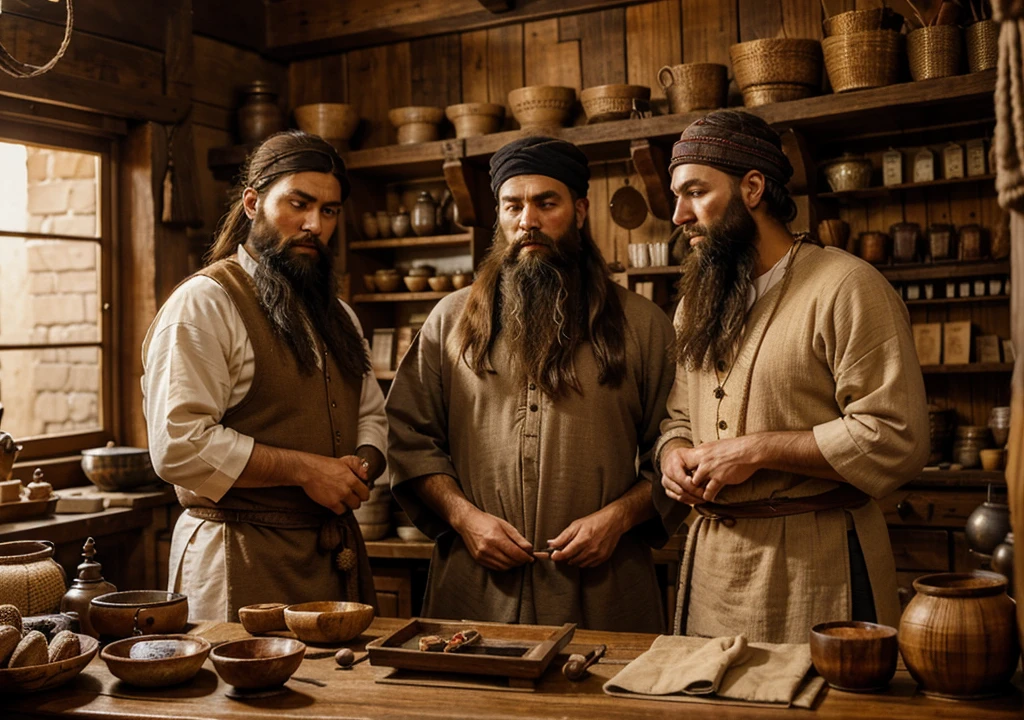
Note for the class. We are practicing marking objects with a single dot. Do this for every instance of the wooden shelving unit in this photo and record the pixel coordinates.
(967, 368)
(973, 478)
(959, 300)
(651, 271)
(943, 270)
(397, 297)
(882, 191)
(433, 241)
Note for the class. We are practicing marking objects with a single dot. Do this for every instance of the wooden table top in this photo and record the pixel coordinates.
(355, 693)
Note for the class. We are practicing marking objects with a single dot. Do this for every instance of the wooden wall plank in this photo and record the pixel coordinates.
(140, 22)
(801, 18)
(436, 70)
(546, 61)
(709, 28)
(505, 66)
(653, 40)
(242, 23)
(384, 72)
(323, 79)
(759, 19)
(475, 68)
(221, 69)
(602, 43)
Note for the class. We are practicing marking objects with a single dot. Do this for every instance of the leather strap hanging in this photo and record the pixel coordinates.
(18, 69)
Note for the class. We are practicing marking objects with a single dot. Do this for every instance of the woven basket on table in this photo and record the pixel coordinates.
(982, 45)
(795, 61)
(856, 21)
(934, 51)
(863, 60)
(755, 95)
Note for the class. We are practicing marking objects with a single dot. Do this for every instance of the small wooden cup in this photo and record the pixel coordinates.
(854, 656)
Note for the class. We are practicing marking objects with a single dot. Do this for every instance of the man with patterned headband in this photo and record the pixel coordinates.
(259, 402)
(517, 416)
(798, 400)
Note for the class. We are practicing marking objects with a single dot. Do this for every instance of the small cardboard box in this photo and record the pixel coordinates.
(956, 343)
(928, 341)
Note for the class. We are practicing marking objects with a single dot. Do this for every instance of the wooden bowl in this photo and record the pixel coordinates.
(154, 661)
(440, 283)
(328, 622)
(795, 61)
(415, 283)
(117, 469)
(331, 121)
(159, 612)
(262, 618)
(613, 102)
(461, 280)
(51, 675)
(416, 124)
(542, 106)
(474, 119)
(259, 663)
(854, 656)
(370, 283)
(387, 283)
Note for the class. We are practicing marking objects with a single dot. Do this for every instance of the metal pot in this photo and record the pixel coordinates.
(115, 469)
(987, 526)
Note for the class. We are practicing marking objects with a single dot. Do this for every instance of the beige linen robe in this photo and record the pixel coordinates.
(829, 349)
(537, 463)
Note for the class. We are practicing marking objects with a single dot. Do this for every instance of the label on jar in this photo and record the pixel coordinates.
(892, 168)
(976, 157)
(924, 166)
(953, 161)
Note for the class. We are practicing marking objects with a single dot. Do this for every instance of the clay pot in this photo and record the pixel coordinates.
(542, 106)
(400, 223)
(332, 121)
(416, 124)
(474, 119)
(906, 237)
(424, 215)
(383, 224)
(30, 579)
(259, 116)
(415, 284)
(873, 247)
(854, 656)
(834, 232)
(958, 635)
(613, 102)
(695, 86)
(461, 280)
(441, 283)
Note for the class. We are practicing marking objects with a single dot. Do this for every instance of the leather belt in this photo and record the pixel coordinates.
(844, 496)
(265, 518)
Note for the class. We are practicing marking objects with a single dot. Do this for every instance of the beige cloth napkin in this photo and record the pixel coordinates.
(728, 668)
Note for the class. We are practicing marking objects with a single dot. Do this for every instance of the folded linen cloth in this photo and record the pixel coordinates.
(728, 669)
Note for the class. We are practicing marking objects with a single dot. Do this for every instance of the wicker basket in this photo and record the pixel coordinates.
(982, 45)
(857, 21)
(774, 92)
(934, 51)
(793, 61)
(695, 86)
(862, 60)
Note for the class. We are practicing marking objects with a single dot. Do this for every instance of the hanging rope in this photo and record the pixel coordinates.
(18, 69)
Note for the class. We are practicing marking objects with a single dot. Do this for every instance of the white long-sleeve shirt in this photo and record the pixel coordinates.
(197, 363)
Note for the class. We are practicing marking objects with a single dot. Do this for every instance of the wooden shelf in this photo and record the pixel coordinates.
(971, 478)
(464, 238)
(397, 297)
(660, 270)
(882, 191)
(968, 368)
(944, 271)
(944, 301)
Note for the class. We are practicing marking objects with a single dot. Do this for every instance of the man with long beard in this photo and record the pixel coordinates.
(259, 402)
(798, 400)
(518, 414)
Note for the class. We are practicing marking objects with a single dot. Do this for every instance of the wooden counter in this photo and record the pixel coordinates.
(354, 693)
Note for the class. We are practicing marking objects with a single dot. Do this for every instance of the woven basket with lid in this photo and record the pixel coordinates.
(862, 60)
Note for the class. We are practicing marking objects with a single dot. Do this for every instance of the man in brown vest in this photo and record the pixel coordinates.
(259, 402)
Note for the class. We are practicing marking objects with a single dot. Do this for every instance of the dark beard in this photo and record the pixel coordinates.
(541, 308)
(300, 295)
(716, 280)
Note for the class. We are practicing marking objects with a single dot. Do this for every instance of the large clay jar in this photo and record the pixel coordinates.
(30, 579)
(424, 215)
(259, 116)
(958, 635)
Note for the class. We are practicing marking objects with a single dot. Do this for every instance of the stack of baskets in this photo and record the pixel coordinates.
(863, 48)
(776, 69)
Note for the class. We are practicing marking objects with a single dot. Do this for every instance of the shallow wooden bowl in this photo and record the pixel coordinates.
(854, 656)
(258, 663)
(159, 611)
(51, 675)
(154, 661)
(473, 119)
(262, 618)
(440, 283)
(415, 283)
(540, 106)
(328, 622)
(331, 121)
(461, 280)
(613, 102)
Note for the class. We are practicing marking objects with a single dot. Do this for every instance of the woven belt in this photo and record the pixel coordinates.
(264, 518)
(844, 496)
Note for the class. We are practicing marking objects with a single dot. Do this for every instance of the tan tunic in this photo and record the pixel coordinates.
(828, 350)
(537, 463)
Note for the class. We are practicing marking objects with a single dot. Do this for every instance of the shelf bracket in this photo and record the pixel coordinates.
(649, 161)
(464, 182)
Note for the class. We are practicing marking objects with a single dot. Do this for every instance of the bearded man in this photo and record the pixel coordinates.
(798, 400)
(259, 402)
(517, 416)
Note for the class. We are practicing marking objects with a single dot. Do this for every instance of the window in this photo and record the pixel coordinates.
(56, 247)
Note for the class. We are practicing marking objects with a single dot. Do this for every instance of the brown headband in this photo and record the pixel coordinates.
(731, 152)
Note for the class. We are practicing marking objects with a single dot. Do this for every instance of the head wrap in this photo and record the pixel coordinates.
(719, 141)
(538, 155)
(294, 151)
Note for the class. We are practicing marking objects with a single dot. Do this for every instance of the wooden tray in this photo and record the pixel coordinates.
(513, 651)
(25, 509)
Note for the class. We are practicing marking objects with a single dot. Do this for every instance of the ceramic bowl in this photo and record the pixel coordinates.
(154, 661)
(613, 102)
(415, 283)
(331, 121)
(388, 283)
(461, 280)
(370, 283)
(473, 119)
(51, 675)
(422, 271)
(328, 622)
(440, 283)
(262, 618)
(116, 469)
(259, 663)
(159, 612)
(854, 656)
(542, 106)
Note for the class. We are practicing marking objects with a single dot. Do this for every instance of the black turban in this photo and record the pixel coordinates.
(714, 140)
(294, 151)
(538, 155)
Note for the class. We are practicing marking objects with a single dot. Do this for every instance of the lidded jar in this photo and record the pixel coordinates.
(941, 240)
(259, 115)
(30, 579)
(85, 587)
(906, 236)
(424, 215)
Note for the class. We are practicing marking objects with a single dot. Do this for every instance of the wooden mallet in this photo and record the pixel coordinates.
(575, 667)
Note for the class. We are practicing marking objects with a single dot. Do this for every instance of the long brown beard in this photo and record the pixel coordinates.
(550, 302)
(300, 295)
(716, 279)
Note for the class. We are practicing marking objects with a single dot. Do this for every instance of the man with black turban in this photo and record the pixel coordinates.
(519, 412)
(798, 400)
(259, 402)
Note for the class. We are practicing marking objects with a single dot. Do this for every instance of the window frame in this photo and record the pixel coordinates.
(51, 446)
